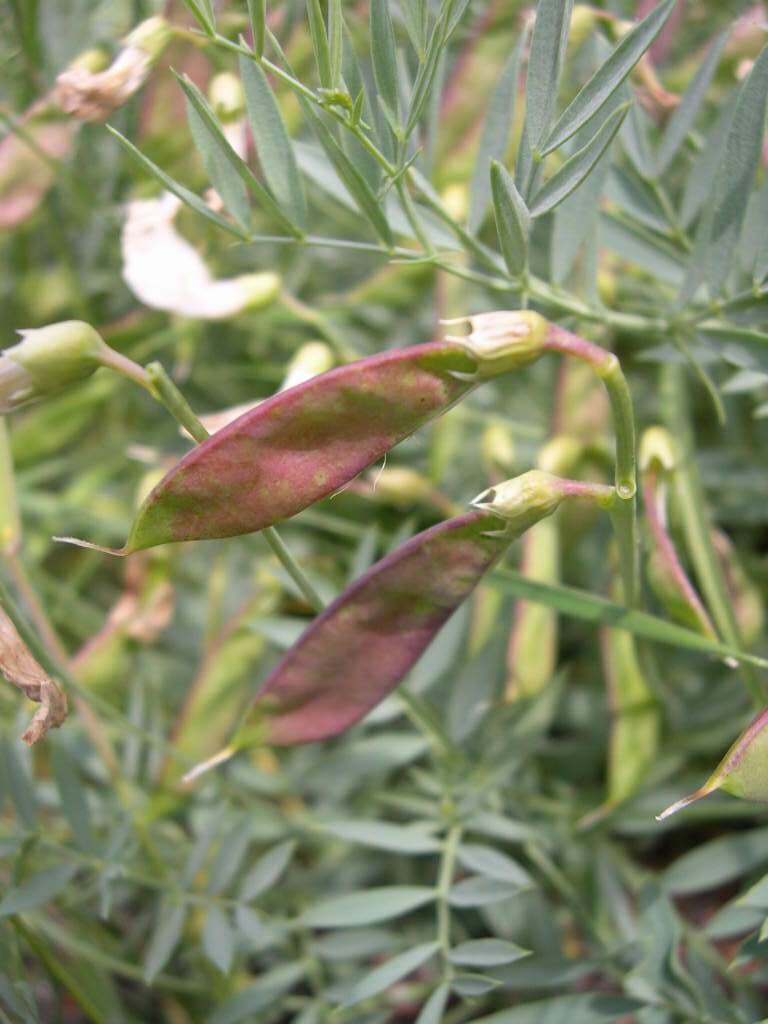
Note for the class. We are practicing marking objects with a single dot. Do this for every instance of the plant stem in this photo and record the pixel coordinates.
(444, 883)
(165, 391)
(287, 561)
(623, 514)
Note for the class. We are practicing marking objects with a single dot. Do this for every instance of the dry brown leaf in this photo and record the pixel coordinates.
(20, 668)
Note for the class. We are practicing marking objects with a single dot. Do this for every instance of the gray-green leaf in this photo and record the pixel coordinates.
(383, 836)
(486, 953)
(165, 939)
(685, 114)
(265, 992)
(37, 890)
(486, 861)
(432, 1010)
(272, 143)
(257, 12)
(382, 977)
(194, 202)
(495, 137)
(545, 65)
(212, 147)
(218, 939)
(354, 183)
(574, 171)
(415, 18)
(367, 906)
(578, 1009)
(384, 56)
(512, 219)
(608, 77)
(267, 870)
(736, 175)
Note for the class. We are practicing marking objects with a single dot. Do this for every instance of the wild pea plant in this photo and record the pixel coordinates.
(368, 771)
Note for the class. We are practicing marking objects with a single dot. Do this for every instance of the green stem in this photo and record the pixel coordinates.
(287, 561)
(165, 391)
(623, 514)
(444, 883)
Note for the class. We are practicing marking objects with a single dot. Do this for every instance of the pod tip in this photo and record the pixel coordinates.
(78, 543)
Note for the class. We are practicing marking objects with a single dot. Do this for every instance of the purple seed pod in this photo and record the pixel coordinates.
(357, 651)
(305, 443)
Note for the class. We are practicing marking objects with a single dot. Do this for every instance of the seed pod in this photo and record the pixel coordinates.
(357, 651)
(634, 736)
(305, 443)
(10, 523)
(742, 772)
(666, 575)
(532, 648)
(746, 598)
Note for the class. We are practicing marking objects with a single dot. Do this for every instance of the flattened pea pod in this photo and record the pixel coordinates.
(357, 651)
(308, 441)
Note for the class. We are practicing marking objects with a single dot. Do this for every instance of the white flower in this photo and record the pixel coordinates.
(165, 272)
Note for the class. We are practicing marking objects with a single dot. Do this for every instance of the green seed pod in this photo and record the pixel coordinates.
(10, 523)
(665, 572)
(634, 739)
(746, 598)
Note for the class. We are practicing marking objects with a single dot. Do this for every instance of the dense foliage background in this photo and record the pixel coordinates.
(456, 855)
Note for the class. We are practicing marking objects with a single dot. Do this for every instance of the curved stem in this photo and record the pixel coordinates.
(623, 514)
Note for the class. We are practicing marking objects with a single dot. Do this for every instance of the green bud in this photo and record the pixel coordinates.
(259, 290)
(560, 454)
(150, 36)
(10, 523)
(742, 772)
(498, 448)
(226, 96)
(311, 360)
(503, 340)
(540, 493)
(657, 445)
(401, 485)
(92, 60)
(512, 499)
(583, 19)
(48, 359)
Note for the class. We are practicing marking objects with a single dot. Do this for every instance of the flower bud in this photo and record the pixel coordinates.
(498, 449)
(503, 340)
(401, 485)
(657, 445)
(514, 498)
(226, 96)
(47, 359)
(583, 19)
(539, 492)
(310, 361)
(151, 36)
(560, 454)
(742, 772)
(456, 201)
